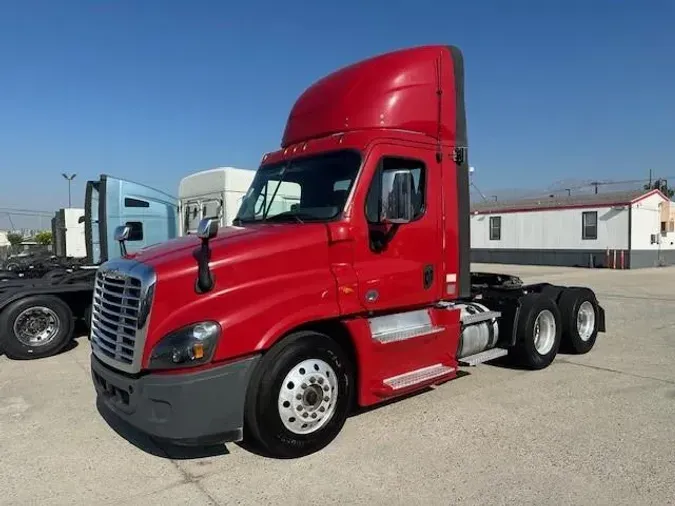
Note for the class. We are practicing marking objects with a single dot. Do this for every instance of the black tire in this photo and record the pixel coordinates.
(263, 421)
(570, 302)
(12, 345)
(533, 305)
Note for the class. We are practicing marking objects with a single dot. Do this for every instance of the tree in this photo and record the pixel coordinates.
(661, 184)
(44, 238)
(14, 238)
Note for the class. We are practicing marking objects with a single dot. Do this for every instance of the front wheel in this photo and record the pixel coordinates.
(300, 395)
(35, 327)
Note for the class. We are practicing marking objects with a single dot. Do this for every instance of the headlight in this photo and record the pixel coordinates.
(189, 346)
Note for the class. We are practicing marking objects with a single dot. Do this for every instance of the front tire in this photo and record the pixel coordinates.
(300, 395)
(35, 327)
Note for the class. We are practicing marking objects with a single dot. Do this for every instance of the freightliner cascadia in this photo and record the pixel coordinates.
(273, 329)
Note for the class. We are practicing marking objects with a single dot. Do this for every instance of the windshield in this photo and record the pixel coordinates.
(314, 188)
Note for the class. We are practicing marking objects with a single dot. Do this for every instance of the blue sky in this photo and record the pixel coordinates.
(152, 90)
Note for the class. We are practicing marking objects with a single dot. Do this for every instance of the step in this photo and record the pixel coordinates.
(480, 317)
(483, 356)
(411, 378)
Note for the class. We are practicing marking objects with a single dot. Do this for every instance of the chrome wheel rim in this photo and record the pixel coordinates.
(585, 320)
(544, 332)
(36, 326)
(308, 396)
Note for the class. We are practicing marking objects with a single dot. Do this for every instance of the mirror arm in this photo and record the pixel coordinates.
(204, 275)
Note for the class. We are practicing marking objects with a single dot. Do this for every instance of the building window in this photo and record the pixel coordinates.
(589, 225)
(495, 228)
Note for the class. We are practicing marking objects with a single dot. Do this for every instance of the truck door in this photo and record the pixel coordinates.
(399, 265)
(151, 214)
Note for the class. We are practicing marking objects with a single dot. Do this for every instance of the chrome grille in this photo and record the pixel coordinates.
(115, 315)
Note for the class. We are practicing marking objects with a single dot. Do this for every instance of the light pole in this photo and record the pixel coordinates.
(69, 179)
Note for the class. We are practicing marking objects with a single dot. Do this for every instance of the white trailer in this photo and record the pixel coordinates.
(68, 235)
(213, 192)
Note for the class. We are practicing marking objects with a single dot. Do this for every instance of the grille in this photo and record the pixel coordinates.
(115, 314)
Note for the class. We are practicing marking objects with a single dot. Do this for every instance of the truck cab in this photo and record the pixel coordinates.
(110, 202)
(212, 193)
(344, 280)
(38, 315)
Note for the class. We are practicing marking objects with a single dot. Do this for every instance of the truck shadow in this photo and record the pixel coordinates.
(356, 412)
(153, 446)
(169, 451)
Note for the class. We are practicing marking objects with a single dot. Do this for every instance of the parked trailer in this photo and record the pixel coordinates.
(275, 328)
(38, 314)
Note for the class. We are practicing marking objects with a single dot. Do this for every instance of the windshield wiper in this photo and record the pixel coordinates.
(283, 216)
(281, 180)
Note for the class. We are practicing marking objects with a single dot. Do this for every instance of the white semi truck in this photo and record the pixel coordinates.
(219, 192)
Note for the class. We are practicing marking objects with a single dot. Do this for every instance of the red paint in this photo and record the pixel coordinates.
(273, 278)
(396, 91)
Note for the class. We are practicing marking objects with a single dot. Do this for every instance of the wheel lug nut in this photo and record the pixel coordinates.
(326, 399)
(326, 388)
(312, 379)
(303, 386)
(313, 415)
(299, 408)
(322, 409)
(298, 397)
(320, 380)
(305, 414)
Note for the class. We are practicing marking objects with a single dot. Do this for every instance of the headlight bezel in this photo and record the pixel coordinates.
(185, 348)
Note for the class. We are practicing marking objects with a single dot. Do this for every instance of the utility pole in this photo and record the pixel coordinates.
(596, 184)
(70, 180)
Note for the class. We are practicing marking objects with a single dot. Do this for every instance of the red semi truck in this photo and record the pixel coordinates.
(273, 329)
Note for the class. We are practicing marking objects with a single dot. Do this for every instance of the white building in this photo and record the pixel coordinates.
(624, 229)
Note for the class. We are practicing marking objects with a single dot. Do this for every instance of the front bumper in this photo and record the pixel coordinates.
(205, 407)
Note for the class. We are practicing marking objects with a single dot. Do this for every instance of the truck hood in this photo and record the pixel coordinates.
(182, 245)
(278, 271)
(232, 245)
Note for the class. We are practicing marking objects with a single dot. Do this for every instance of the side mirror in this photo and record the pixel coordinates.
(122, 233)
(80, 219)
(207, 229)
(397, 196)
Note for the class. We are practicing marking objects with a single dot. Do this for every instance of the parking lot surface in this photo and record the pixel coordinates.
(593, 429)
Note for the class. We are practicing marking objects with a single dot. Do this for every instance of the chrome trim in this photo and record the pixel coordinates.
(396, 327)
(119, 328)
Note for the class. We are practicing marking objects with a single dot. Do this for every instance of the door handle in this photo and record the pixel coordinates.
(428, 278)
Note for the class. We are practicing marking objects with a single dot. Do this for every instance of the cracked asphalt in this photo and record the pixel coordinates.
(594, 429)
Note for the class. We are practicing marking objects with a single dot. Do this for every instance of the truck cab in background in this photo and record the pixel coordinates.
(353, 289)
(38, 316)
(151, 214)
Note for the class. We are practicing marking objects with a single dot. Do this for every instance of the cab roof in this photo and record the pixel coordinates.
(419, 89)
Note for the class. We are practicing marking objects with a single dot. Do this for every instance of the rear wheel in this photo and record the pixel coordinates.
(538, 331)
(35, 327)
(300, 395)
(579, 310)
